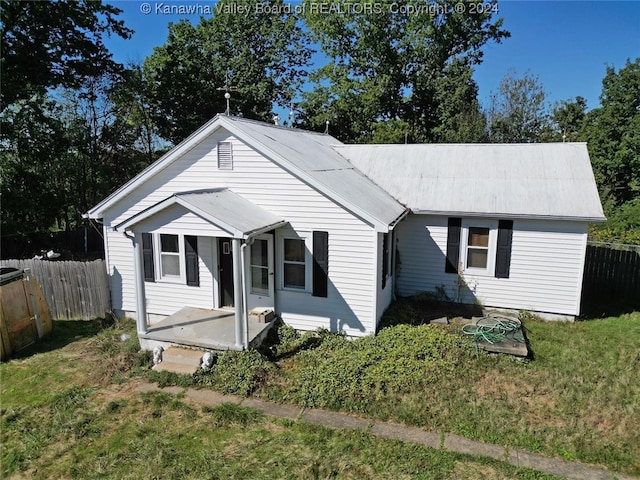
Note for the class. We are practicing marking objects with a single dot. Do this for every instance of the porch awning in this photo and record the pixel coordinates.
(220, 207)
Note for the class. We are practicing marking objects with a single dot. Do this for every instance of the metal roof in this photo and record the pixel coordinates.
(311, 157)
(552, 180)
(221, 207)
(308, 155)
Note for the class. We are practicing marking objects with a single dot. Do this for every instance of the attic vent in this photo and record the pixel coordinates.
(225, 156)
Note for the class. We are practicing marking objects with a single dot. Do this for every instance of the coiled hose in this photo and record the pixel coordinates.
(494, 330)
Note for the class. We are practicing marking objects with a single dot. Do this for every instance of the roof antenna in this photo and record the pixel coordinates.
(292, 116)
(276, 120)
(564, 135)
(326, 128)
(227, 89)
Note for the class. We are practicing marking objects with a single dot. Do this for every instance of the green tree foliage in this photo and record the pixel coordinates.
(66, 154)
(568, 119)
(613, 134)
(47, 44)
(33, 178)
(518, 112)
(389, 72)
(264, 53)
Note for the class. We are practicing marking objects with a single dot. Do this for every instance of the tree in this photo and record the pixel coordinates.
(613, 134)
(387, 66)
(47, 44)
(518, 112)
(568, 119)
(264, 54)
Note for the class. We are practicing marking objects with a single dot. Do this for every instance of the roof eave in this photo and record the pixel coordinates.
(588, 219)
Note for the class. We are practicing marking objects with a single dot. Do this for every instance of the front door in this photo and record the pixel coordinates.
(261, 277)
(225, 269)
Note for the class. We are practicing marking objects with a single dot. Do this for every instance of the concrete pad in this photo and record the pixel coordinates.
(459, 444)
(274, 409)
(407, 434)
(335, 420)
(440, 321)
(183, 355)
(202, 328)
(179, 368)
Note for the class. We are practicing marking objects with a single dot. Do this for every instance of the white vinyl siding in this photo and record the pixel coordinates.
(163, 298)
(350, 304)
(547, 259)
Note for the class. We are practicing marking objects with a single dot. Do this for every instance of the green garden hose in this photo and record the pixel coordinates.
(494, 330)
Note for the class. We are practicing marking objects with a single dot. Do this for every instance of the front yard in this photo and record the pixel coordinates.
(69, 409)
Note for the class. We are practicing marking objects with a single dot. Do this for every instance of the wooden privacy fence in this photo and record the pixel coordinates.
(612, 272)
(72, 289)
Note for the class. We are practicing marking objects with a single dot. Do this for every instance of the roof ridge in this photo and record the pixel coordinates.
(271, 125)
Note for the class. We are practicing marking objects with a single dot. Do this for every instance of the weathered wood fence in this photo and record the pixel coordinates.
(72, 289)
(612, 273)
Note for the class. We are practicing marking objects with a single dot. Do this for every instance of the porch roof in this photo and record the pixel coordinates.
(221, 207)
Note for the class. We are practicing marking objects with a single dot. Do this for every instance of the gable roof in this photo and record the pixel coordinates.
(221, 207)
(552, 180)
(307, 155)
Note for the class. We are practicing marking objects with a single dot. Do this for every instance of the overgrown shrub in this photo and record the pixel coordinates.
(236, 372)
(348, 375)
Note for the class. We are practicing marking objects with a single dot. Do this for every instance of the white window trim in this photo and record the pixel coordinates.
(252, 289)
(157, 254)
(492, 225)
(308, 260)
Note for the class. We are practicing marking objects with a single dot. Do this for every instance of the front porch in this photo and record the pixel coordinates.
(202, 328)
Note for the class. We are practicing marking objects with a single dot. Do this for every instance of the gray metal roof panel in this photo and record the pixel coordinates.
(313, 154)
(552, 180)
(220, 206)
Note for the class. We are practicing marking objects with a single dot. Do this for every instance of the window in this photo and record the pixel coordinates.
(225, 156)
(260, 267)
(170, 257)
(294, 274)
(304, 263)
(481, 247)
(477, 247)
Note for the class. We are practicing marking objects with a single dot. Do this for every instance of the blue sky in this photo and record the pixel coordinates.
(567, 44)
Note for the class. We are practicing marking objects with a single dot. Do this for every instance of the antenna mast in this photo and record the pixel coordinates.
(227, 89)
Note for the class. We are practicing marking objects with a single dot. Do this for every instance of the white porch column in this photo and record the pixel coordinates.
(141, 305)
(237, 288)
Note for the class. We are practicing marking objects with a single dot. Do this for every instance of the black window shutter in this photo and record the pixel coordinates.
(147, 257)
(453, 245)
(503, 251)
(320, 263)
(385, 259)
(191, 260)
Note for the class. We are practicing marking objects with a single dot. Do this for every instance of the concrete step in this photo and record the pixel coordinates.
(181, 368)
(182, 356)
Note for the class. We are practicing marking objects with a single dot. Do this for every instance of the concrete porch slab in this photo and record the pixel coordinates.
(202, 328)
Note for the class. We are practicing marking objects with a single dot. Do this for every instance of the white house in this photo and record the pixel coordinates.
(244, 214)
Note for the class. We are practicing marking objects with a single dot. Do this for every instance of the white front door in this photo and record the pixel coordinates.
(260, 278)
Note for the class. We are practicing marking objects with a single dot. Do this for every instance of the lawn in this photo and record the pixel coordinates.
(578, 399)
(70, 410)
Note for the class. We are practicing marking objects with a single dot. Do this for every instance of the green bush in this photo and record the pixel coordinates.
(349, 374)
(236, 372)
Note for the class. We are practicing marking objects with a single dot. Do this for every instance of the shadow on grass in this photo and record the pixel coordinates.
(594, 309)
(63, 333)
(422, 309)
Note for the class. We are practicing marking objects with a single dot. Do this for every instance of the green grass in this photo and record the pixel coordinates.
(69, 411)
(579, 399)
